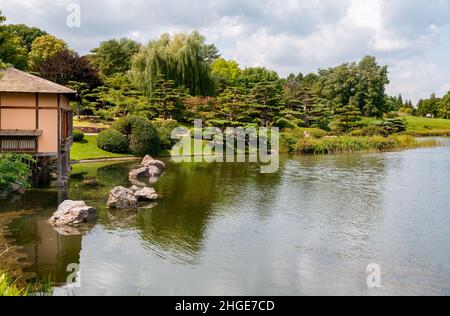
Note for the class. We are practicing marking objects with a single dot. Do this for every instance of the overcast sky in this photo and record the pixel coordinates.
(289, 36)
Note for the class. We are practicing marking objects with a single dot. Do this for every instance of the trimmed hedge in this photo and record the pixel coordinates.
(113, 141)
(133, 134)
(126, 124)
(78, 136)
(144, 140)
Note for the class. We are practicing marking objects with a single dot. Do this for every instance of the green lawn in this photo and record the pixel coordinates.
(422, 126)
(88, 150)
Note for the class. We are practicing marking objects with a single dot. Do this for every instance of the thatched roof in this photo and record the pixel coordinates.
(13, 80)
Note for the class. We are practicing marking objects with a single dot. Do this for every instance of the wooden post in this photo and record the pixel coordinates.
(0, 110)
(61, 171)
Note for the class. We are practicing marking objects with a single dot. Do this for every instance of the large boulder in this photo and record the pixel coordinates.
(146, 194)
(135, 188)
(73, 213)
(138, 173)
(122, 198)
(154, 172)
(149, 161)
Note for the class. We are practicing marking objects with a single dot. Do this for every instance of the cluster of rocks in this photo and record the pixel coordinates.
(128, 198)
(71, 214)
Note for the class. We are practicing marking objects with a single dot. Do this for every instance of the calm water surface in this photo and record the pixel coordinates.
(226, 229)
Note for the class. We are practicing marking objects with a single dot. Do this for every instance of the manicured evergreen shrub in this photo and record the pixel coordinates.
(126, 124)
(113, 141)
(283, 123)
(78, 136)
(144, 140)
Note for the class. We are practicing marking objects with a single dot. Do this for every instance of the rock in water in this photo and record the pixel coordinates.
(122, 198)
(135, 188)
(138, 173)
(149, 161)
(154, 172)
(146, 194)
(73, 213)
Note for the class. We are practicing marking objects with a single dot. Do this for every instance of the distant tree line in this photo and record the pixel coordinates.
(182, 77)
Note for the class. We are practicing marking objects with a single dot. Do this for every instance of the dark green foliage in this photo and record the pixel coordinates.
(14, 168)
(114, 56)
(165, 98)
(78, 136)
(126, 124)
(428, 106)
(283, 123)
(349, 118)
(140, 133)
(266, 102)
(164, 130)
(113, 141)
(393, 126)
(252, 76)
(12, 48)
(144, 140)
(183, 58)
(362, 82)
(233, 103)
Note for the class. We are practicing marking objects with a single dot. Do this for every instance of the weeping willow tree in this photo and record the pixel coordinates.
(182, 58)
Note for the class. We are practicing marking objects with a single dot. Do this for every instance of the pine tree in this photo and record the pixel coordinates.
(266, 101)
(349, 116)
(165, 97)
(233, 102)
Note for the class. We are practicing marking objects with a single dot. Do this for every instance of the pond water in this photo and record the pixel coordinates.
(226, 229)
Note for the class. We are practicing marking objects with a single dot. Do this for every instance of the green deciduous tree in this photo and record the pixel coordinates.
(26, 33)
(182, 58)
(364, 82)
(226, 73)
(444, 106)
(114, 56)
(251, 76)
(12, 50)
(428, 106)
(44, 47)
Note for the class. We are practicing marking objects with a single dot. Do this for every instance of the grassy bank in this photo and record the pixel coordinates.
(87, 149)
(421, 126)
(349, 144)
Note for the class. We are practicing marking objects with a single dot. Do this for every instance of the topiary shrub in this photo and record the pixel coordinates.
(164, 130)
(113, 141)
(283, 123)
(140, 133)
(78, 136)
(144, 140)
(126, 124)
